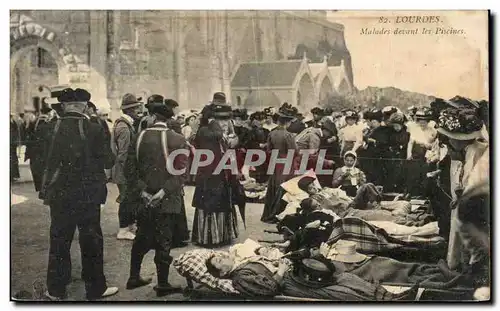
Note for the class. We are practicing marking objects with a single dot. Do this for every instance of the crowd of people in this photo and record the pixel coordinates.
(436, 152)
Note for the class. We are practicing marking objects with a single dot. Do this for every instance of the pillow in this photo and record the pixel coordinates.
(192, 264)
(291, 186)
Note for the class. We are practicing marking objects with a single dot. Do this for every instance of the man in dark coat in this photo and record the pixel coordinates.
(75, 188)
(15, 141)
(35, 147)
(171, 122)
(162, 192)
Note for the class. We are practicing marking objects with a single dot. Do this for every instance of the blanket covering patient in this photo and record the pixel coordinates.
(367, 204)
(262, 272)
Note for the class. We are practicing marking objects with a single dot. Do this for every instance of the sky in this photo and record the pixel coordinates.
(438, 65)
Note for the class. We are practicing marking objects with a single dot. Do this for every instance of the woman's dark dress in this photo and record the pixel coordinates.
(396, 174)
(371, 159)
(215, 222)
(281, 140)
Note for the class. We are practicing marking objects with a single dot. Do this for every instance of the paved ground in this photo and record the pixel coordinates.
(29, 246)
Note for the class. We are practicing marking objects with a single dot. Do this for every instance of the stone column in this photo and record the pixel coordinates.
(224, 47)
(180, 79)
(213, 37)
(113, 38)
(97, 61)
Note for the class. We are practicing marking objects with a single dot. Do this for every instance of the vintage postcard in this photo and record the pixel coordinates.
(250, 155)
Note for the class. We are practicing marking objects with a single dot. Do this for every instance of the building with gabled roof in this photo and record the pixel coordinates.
(256, 85)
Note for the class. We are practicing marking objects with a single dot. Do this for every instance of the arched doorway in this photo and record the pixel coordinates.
(32, 64)
(325, 91)
(305, 93)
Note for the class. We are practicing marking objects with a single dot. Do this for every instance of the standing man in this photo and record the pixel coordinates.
(172, 123)
(36, 146)
(123, 134)
(148, 172)
(75, 188)
(148, 120)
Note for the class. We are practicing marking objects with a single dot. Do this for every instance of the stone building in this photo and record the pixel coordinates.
(185, 55)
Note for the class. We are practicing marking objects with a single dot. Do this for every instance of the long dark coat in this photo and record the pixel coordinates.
(215, 193)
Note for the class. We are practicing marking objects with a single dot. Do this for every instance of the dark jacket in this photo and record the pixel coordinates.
(79, 154)
(36, 148)
(146, 168)
(398, 143)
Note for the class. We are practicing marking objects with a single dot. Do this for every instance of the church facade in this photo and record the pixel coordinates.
(184, 55)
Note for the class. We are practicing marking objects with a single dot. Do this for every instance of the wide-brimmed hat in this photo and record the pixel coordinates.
(154, 100)
(130, 101)
(286, 111)
(345, 251)
(351, 114)
(317, 111)
(460, 124)
(172, 103)
(423, 114)
(162, 110)
(374, 114)
(69, 95)
(219, 98)
(221, 110)
(396, 118)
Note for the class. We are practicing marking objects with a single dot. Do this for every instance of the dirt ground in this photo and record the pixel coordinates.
(30, 243)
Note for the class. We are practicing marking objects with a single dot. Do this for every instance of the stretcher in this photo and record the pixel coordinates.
(204, 293)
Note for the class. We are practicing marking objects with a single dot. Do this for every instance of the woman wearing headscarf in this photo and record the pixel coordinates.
(398, 146)
(282, 141)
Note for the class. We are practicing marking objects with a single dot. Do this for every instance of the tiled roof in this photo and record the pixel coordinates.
(278, 73)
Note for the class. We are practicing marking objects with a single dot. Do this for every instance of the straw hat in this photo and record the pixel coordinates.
(345, 251)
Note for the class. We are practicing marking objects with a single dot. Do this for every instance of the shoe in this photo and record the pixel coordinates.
(53, 298)
(138, 282)
(110, 291)
(125, 234)
(166, 290)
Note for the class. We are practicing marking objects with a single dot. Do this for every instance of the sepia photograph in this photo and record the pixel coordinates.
(250, 155)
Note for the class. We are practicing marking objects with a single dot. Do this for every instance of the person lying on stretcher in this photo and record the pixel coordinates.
(259, 276)
(367, 204)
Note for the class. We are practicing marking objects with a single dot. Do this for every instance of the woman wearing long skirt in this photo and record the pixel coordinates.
(215, 223)
(283, 141)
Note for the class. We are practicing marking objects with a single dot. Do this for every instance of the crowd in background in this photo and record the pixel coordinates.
(413, 154)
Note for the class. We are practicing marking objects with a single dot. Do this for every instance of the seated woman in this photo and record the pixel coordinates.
(262, 277)
(367, 197)
(348, 177)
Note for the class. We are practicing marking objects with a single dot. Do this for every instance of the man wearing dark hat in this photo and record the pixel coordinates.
(75, 187)
(123, 134)
(171, 122)
(162, 193)
(148, 119)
